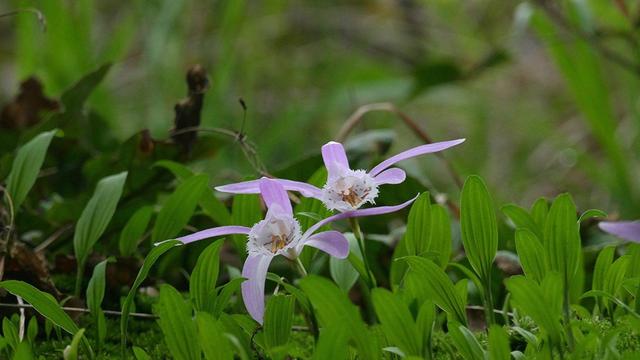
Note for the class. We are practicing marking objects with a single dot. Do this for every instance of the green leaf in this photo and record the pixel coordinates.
(134, 230)
(426, 280)
(209, 203)
(44, 304)
(416, 237)
(467, 344)
(212, 338)
(603, 262)
(561, 237)
(440, 235)
(278, 319)
(333, 343)
(531, 254)
(10, 332)
(222, 300)
(32, 329)
(245, 211)
(425, 326)
(342, 271)
(332, 307)
(176, 324)
(96, 215)
(530, 297)
(499, 347)
(397, 322)
(479, 226)
(590, 214)
(95, 295)
(24, 352)
(521, 219)
(26, 167)
(615, 275)
(140, 354)
(71, 351)
(202, 285)
(539, 211)
(151, 258)
(179, 207)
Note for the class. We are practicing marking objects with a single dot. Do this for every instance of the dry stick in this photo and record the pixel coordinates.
(51, 239)
(39, 15)
(358, 115)
(81, 310)
(6, 246)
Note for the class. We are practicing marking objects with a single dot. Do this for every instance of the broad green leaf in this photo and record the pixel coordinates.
(608, 296)
(177, 325)
(10, 333)
(300, 296)
(603, 262)
(278, 319)
(466, 343)
(615, 276)
(209, 203)
(95, 295)
(213, 340)
(202, 285)
(499, 347)
(24, 352)
(561, 238)
(96, 215)
(539, 211)
(479, 226)
(416, 237)
(32, 329)
(522, 219)
(151, 258)
(222, 300)
(26, 167)
(332, 306)
(530, 297)
(426, 280)
(46, 305)
(245, 211)
(397, 322)
(179, 207)
(333, 343)
(134, 230)
(440, 235)
(140, 354)
(342, 271)
(531, 254)
(425, 325)
(71, 351)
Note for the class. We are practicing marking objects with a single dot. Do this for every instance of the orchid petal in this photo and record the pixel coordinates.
(331, 242)
(628, 230)
(255, 271)
(274, 196)
(253, 187)
(413, 152)
(335, 158)
(380, 210)
(390, 176)
(213, 232)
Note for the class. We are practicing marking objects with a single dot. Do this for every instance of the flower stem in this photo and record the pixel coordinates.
(355, 226)
(301, 268)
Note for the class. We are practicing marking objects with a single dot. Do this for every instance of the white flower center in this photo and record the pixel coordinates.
(349, 190)
(276, 234)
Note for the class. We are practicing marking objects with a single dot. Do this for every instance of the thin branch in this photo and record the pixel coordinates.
(55, 236)
(358, 116)
(82, 310)
(39, 15)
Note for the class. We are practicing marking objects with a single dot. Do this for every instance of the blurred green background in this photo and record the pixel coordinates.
(544, 106)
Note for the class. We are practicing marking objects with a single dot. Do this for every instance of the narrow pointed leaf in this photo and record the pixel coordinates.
(278, 319)
(396, 320)
(202, 285)
(177, 325)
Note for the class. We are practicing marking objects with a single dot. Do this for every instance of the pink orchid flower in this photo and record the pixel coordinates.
(347, 189)
(279, 233)
(628, 230)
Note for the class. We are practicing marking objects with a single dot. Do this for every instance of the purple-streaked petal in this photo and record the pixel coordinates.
(379, 210)
(213, 232)
(253, 187)
(390, 176)
(335, 158)
(413, 152)
(331, 242)
(628, 230)
(255, 271)
(275, 196)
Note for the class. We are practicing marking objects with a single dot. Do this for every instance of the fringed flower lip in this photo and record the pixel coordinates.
(347, 189)
(279, 234)
(628, 230)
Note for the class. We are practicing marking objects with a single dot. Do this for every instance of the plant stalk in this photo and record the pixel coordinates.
(355, 226)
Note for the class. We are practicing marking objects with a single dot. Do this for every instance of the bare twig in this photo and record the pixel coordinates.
(358, 116)
(39, 15)
(51, 239)
(81, 310)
